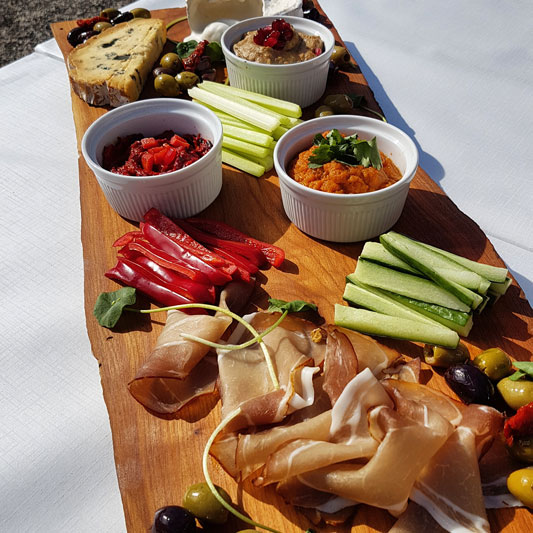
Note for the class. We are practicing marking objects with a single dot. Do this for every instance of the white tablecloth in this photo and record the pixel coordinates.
(455, 75)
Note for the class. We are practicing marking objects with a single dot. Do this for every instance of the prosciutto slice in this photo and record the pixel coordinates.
(245, 381)
(386, 480)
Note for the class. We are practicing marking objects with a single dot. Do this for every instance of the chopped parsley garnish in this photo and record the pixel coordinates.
(349, 150)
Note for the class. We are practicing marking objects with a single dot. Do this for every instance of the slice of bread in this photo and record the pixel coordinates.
(112, 67)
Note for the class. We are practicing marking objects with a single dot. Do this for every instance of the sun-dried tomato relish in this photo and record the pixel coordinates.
(136, 155)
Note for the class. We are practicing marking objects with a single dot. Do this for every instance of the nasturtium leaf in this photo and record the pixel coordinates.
(185, 49)
(292, 307)
(525, 368)
(109, 305)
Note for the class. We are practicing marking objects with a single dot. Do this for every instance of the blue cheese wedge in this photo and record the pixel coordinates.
(111, 68)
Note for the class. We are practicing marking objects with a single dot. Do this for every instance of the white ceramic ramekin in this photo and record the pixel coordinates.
(302, 83)
(345, 217)
(181, 193)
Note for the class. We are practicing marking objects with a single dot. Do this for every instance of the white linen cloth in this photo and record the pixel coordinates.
(456, 76)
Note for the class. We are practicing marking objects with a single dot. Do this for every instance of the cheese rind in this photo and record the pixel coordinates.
(112, 67)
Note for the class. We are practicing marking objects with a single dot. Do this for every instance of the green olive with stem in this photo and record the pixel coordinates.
(324, 111)
(171, 61)
(340, 103)
(187, 79)
(166, 85)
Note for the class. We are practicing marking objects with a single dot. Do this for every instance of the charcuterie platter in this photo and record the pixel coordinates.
(158, 456)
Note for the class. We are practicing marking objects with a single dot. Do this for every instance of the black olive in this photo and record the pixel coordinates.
(123, 17)
(470, 384)
(73, 36)
(209, 75)
(312, 14)
(162, 70)
(173, 519)
(87, 35)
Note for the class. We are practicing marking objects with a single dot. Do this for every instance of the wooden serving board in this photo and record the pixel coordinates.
(157, 458)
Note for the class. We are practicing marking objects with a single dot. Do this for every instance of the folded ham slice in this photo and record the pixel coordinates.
(245, 381)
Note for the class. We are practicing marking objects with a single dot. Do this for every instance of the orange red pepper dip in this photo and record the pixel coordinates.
(340, 178)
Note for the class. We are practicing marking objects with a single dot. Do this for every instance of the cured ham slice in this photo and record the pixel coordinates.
(449, 488)
(340, 364)
(158, 384)
(388, 477)
(416, 519)
(370, 353)
(245, 381)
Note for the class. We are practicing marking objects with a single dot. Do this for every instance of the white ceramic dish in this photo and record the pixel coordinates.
(302, 83)
(181, 193)
(345, 217)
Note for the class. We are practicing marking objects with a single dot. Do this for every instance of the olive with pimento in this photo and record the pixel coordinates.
(446, 357)
(340, 56)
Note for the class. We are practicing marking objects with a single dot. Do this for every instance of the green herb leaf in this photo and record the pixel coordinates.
(292, 307)
(214, 51)
(517, 375)
(109, 305)
(185, 49)
(357, 99)
(349, 150)
(526, 367)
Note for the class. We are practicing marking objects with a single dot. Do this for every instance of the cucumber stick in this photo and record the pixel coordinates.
(437, 267)
(456, 320)
(492, 273)
(414, 287)
(370, 299)
(373, 323)
(377, 253)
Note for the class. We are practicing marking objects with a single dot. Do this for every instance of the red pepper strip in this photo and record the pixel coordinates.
(275, 255)
(254, 255)
(241, 272)
(216, 275)
(127, 237)
(137, 276)
(166, 260)
(197, 292)
(519, 425)
(175, 232)
(239, 260)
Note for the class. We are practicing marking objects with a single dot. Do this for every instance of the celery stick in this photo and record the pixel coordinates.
(275, 104)
(254, 137)
(215, 89)
(238, 108)
(242, 163)
(267, 162)
(243, 147)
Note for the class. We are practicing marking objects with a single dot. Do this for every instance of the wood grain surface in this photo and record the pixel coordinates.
(158, 457)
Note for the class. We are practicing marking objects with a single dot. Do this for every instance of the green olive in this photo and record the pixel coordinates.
(109, 13)
(171, 61)
(166, 85)
(495, 363)
(200, 501)
(340, 103)
(522, 449)
(101, 26)
(140, 13)
(187, 79)
(324, 111)
(445, 357)
(340, 55)
(516, 393)
(520, 485)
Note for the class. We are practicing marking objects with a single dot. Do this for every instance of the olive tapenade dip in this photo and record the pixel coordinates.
(278, 44)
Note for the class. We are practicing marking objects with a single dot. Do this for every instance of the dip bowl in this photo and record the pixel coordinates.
(302, 83)
(345, 217)
(182, 193)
